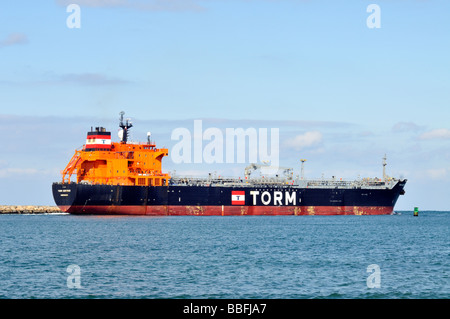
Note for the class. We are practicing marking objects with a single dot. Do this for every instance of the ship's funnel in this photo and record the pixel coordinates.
(98, 140)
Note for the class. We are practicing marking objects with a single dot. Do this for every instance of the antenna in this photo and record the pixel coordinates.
(121, 117)
(125, 127)
(303, 168)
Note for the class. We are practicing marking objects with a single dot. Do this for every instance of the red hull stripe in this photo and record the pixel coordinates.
(162, 210)
(100, 137)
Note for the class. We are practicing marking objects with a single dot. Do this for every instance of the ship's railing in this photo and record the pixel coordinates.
(281, 181)
(70, 168)
(349, 184)
(226, 181)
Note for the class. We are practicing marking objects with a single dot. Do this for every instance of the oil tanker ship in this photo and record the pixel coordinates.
(126, 178)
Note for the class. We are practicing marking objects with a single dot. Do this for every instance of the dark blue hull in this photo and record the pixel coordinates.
(222, 200)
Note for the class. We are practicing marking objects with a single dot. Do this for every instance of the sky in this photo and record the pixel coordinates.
(341, 94)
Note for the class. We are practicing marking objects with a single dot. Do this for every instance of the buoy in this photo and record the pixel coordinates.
(416, 211)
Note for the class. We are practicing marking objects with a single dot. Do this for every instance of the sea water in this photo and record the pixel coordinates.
(66, 256)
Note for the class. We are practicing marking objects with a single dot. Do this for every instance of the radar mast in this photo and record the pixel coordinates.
(123, 134)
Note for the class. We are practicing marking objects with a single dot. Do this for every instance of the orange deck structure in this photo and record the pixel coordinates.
(116, 163)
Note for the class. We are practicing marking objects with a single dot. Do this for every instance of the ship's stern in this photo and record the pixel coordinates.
(64, 195)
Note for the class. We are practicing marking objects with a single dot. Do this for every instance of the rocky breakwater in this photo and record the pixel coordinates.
(26, 209)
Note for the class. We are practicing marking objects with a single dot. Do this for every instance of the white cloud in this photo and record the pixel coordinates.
(87, 78)
(13, 39)
(95, 3)
(405, 127)
(91, 79)
(442, 133)
(144, 5)
(308, 139)
(7, 172)
(437, 173)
